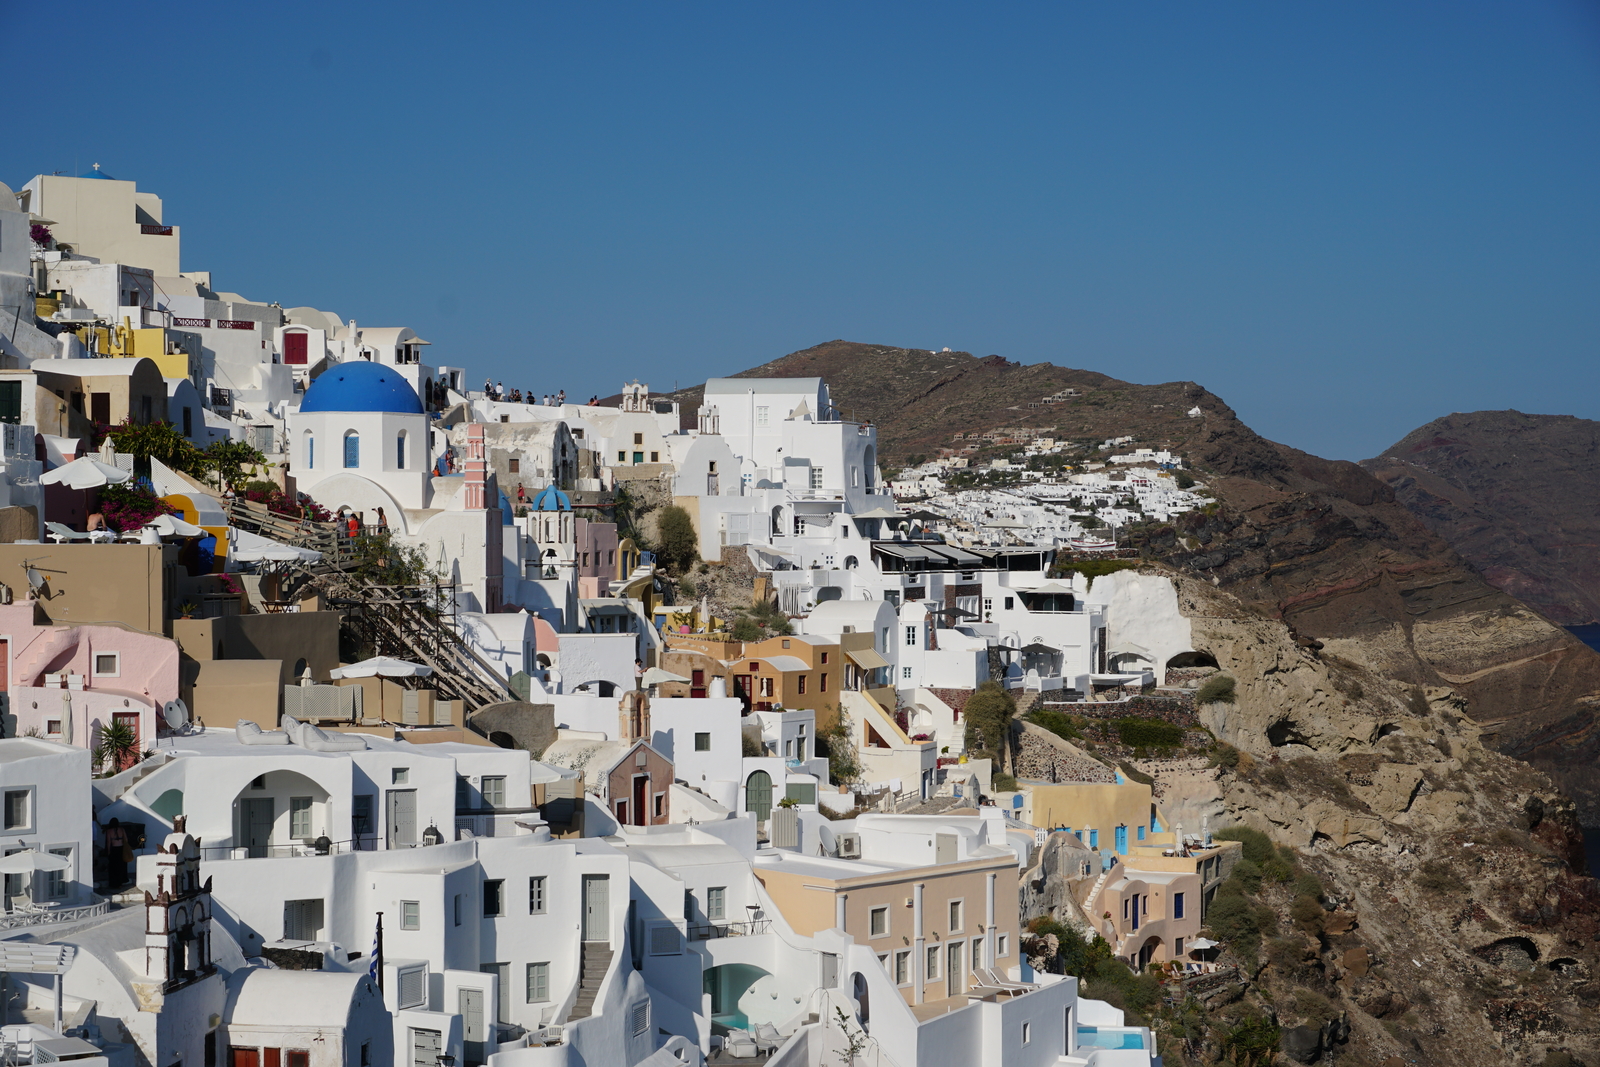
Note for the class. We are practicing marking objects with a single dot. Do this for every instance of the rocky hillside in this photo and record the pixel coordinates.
(1321, 546)
(1425, 902)
(1515, 495)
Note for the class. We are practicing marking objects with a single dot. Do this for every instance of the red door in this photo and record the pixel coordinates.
(246, 1057)
(130, 719)
(697, 683)
(641, 814)
(742, 688)
(294, 348)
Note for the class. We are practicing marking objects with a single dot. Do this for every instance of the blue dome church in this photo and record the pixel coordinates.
(361, 439)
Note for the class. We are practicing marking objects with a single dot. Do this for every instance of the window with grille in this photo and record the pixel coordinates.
(413, 986)
(536, 895)
(641, 1018)
(494, 791)
(538, 982)
(664, 940)
(816, 477)
(902, 967)
(352, 450)
(878, 922)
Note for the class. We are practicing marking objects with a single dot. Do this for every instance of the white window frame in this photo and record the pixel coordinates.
(411, 915)
(873, 915)
(537, 887)
(535, 974)
(5, 802)
(1027, 1032)
(300, 809)
(116, 669)
(717, 902)
(902, 966)
(932, 971)
(1002, 945)
(499, 789)
(958, 914)
(763, 415)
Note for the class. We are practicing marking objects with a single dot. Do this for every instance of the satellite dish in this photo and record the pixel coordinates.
(825, 837)
(176, 713)
(35, 580)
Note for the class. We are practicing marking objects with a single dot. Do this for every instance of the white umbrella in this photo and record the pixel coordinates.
(29, 860)
(1203, 943)
(246, 547)
(657, 676)
(172, 526)
(84, 473)
(382, 666)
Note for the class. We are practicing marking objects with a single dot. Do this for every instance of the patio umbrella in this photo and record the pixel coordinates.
(657, 676)
(246, 547)
(84, 473)
(172, 526)
(1200, 944)
(29, 860)
(382, 666)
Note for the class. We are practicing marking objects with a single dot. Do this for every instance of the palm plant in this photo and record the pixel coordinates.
(119, 746)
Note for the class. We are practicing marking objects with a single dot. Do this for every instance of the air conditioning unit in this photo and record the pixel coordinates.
(849, 846)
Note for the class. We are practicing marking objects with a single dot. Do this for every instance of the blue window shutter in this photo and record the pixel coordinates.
(352, 450)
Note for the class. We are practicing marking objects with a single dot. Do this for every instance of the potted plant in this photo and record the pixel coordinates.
(188, 609)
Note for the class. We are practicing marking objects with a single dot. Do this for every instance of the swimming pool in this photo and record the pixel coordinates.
(1095, 1037)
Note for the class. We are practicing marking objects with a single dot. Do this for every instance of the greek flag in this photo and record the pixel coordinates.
(377, 944)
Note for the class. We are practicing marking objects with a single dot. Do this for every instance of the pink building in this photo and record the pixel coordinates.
(67, 682)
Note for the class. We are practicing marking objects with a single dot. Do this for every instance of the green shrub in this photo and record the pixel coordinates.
(1057, 723)
(1225, 756)
(1258, 846)
(1314, 1006)
(1307, 884)
(746, 630)
(1435, 876)
(1248, 875)
(1001, 782)
(1215, 689)
(1232, 918)
(1278, 869)
(1147, 732)
(988, 716)
(1308, 914)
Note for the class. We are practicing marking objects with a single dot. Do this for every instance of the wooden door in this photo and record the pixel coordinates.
(473, 1029)
(244, 1057)
(255, 831)
(402, 817)
(697, 684)
(597, 907)
(425, 1048)
(952, 972)
(100, 408)
(271, 1057)
(641, 789)
(741, 688)
(294, 348)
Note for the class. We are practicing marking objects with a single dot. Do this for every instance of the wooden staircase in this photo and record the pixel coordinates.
(596, 957)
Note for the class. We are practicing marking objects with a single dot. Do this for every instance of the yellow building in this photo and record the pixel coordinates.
(1116, 817)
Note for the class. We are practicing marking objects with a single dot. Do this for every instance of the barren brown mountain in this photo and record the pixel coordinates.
(1516, 495)
(1320, 544)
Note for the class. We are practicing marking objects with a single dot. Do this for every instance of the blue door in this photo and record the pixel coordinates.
(1094, 838)
(1122, 840)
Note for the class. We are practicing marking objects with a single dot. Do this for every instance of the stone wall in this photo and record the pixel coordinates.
(1042, 757)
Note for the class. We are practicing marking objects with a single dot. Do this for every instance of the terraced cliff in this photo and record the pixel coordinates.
(1319, 545)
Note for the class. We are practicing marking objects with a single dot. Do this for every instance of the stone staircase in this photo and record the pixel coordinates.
(596, 961)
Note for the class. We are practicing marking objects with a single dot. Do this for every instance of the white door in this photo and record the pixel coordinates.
(597, 907)
(425, 1048)
(402, 817)
(473, 1030)
(952, 972)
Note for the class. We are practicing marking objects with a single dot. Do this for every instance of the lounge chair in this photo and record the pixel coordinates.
(995, 978)
(319, 740)
(741, 1045)
(59, 533)
(767, 1037)
(250, 732)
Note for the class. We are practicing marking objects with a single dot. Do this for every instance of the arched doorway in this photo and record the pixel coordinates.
(758, 795)
(858, 990)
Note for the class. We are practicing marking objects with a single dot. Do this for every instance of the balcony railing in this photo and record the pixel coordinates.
(712, 931)
(367, 843)
(45, 915)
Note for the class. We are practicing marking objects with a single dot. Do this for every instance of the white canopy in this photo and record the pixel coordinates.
(29, 860)
(657, 676)
(246, 547)
(1203, 943)
(172, 526)
(84, 473)
(382, 666)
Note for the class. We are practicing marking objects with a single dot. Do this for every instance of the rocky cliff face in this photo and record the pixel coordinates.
(1455, 920)
(1321, 545)
(1514, 494)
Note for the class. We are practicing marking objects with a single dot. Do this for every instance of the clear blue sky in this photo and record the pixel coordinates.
(1345, 219)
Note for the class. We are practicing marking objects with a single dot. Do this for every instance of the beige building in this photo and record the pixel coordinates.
(1114, 817)
(932, 896)
(103, 217)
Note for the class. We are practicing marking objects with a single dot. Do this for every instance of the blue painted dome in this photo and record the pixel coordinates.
(552, 499)
(361, 386)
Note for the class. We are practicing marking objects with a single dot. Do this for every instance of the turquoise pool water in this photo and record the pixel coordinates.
(1097, 1038)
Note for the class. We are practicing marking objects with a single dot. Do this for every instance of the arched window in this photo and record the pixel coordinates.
(400, 451)
(777, 522)
(352, 449)
(311, 451)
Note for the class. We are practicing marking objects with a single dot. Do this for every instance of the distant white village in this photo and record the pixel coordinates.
(357, 714)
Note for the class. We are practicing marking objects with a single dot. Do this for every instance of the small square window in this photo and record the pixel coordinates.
(52, 727)
(410, 915)
(493, 788)
(492, 897)
(702, 742)
(905, 673)
(1003, 945)
(655, 457)
(400, 776)
(19, 809)
(516, 466)
(107, 664)
(638, 438)
(1010, 603)
(824, 659)
(878, 922)
(1027, 1032)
